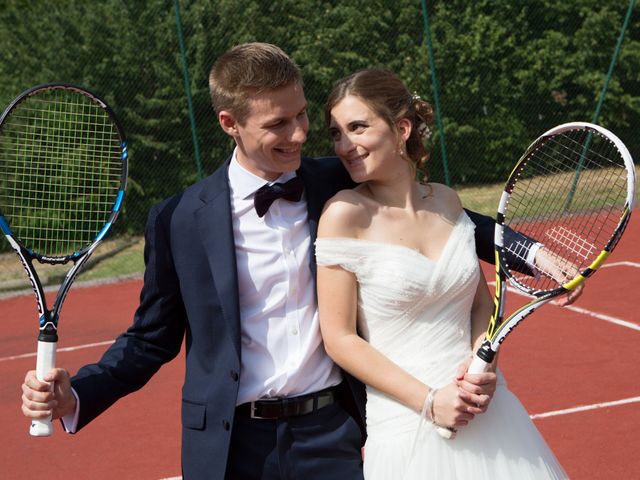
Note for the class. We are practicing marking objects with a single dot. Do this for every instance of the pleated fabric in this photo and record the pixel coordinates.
(416, 311)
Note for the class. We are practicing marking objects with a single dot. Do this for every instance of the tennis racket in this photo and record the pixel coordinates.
(63, 171)
(573, 191)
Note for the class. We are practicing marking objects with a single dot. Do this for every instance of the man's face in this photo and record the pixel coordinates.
(270, 138)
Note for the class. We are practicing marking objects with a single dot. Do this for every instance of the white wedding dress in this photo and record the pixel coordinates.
(416, 311)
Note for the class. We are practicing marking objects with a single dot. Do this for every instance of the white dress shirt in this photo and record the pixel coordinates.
(282, 350)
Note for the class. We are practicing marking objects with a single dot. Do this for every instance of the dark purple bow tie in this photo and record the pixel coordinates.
(265, 196)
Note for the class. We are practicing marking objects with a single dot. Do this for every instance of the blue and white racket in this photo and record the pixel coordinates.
(63, 172)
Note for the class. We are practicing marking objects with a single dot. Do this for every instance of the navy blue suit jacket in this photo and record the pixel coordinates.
(191, 292)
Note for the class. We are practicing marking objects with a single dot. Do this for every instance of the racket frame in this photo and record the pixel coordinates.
(48, 318)
(499, 328)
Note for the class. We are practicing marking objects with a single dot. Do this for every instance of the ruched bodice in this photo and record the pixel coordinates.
(413, 309)
(417, 311)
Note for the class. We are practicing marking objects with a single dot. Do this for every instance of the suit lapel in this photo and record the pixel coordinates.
(215, 225)
(315, 201)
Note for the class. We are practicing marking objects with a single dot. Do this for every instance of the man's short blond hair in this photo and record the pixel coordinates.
(245, 70)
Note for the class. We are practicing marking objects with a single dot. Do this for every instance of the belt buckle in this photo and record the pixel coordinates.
(253, 407)
(252, 411)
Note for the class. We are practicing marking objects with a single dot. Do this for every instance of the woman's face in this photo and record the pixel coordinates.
(364, 142)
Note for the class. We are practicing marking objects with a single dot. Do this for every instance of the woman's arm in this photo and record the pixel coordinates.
(478, 389)
(337, 294)
(337, 304)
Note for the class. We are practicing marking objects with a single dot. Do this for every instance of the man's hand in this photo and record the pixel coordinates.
(561, 271)
(39, 401)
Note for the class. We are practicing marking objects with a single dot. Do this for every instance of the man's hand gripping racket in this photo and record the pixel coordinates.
(63, 171)
(573, 191)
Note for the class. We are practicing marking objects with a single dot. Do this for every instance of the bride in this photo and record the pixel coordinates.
(402, 310)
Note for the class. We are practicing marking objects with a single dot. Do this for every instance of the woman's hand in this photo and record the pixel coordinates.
(476, 389)
(450, 409)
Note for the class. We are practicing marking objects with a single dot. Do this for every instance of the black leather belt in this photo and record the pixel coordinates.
(274, 408)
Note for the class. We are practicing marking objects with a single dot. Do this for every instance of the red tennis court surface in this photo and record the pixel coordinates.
(582, 385)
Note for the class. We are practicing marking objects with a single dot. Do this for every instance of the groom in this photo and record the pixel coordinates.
(230, 267)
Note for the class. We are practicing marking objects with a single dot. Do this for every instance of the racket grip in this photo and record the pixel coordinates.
(478, 365)
(45, 361)
(445, 432)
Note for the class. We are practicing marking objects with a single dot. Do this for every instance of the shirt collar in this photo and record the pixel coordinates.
(244, 184)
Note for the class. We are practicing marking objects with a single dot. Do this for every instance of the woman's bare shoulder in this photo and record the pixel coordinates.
(344, 214)
(446, 200)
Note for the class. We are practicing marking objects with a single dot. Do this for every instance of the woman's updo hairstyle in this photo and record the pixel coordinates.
(384, 92)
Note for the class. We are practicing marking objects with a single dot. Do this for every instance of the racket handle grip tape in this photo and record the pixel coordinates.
(477, 366)
(45, 361)
(445, 432)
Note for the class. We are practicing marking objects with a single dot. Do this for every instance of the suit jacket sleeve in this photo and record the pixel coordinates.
(154, 338)
(513, 241)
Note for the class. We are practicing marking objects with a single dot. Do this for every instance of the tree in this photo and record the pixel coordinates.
(507, 70)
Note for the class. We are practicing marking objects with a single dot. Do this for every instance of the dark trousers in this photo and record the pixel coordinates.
(324, 445)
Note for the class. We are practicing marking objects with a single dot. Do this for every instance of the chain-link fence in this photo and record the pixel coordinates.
(500, 72)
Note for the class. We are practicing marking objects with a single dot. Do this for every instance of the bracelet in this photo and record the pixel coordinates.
(428, 404)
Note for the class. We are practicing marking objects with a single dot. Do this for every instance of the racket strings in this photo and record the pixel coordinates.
(569, 195)
(570, 240)
(62, 168)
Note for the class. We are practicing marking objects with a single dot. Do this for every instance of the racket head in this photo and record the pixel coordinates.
(573, 191)
(63, 171)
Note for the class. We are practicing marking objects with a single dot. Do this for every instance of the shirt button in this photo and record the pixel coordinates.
(234, 375)
(226, 425)
(294, 331)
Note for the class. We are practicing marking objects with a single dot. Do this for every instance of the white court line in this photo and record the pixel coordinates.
(553, 413)
(584, 408)
(65, 349)
(583, 311)
(602, 316)
(599, 316)
(621, 264)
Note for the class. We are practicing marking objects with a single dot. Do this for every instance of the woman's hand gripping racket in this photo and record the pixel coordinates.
(63, 171)
(573, 191)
